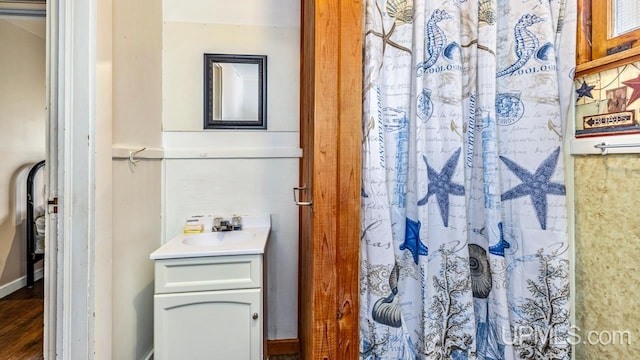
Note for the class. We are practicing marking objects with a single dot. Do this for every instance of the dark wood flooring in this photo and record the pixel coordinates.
(21, 324)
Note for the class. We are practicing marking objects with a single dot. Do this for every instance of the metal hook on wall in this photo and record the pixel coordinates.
(132, 155)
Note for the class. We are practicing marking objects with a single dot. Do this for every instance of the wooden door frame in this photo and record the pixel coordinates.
(331, 112)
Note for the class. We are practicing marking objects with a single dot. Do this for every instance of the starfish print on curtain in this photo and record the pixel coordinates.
(536, 185)
(441, 186)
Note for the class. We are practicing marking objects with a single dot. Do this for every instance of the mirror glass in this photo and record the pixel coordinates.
(235, 91)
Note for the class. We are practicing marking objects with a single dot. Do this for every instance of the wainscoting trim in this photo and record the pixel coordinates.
(123, 151)
(231, 153)
(138, 152)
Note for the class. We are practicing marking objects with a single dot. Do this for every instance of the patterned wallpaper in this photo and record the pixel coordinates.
(608, 101)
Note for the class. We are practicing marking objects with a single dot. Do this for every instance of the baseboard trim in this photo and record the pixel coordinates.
(19, 283)
(274, 347)
(283, 347)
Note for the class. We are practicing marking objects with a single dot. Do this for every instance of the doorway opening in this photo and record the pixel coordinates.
(23, 132)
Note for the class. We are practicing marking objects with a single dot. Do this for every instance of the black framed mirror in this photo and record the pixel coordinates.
(235, 91)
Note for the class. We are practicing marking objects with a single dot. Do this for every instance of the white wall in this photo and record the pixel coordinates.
(137, 196)
(103, 289)
(22, 133)
(157, 81)
(227, 172)
(136, 234)
(246, 186)
(184, 44)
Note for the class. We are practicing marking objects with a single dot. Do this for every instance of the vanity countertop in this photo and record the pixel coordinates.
(252, 239)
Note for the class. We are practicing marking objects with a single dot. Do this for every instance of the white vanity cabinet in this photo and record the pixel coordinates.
(209, 308)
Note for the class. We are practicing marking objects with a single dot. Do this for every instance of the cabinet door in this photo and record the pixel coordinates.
(208, 325)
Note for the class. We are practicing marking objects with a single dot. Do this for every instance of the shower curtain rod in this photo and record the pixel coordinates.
(603, 146)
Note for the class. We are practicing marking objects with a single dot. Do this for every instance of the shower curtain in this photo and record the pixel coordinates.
(464, 228)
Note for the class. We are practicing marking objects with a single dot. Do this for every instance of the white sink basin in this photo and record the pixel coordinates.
(218, 238)
(252, 239)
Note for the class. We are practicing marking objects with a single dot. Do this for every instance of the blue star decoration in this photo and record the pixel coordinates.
(441, 186)
(412, 240)
(498, 249)
(536, 185)
(584, 90)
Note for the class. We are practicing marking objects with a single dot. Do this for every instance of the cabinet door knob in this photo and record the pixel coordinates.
(255, 316)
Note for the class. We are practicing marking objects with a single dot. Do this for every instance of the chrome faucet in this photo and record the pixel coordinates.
(236, 222)
(220, 224)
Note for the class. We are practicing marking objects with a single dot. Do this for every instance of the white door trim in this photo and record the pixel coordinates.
(71, 64)
(51, 256)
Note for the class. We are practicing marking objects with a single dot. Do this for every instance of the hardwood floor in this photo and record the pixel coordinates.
(21, 324)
